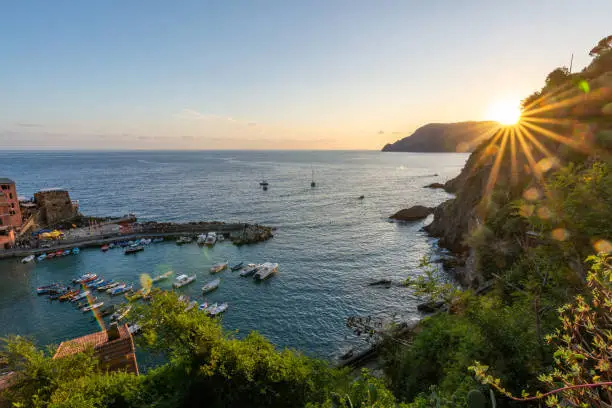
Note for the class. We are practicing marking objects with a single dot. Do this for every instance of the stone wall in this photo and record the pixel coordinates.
(54, 206)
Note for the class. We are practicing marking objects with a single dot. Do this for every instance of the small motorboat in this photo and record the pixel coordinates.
(211, 238)
(218, 267)
(201, 239)
(183, 280)
(111, 245)
(108, 310)
(86, 302)
(80, 296)
(191, 305)
(120, 290)
(220, 238)
(121, 313)
(41, 257)
(361, 197)
(236, 267)
(162, 277)
(203, 307)
(249, 270)
(50, 255)
(210, 286)
(75, 251)
(139, 294)
(43, 290)
(265, 271)
(69, 295)
(85, 278)
(104, 248)
(133, 249)
(145, 241)
(158, 240)
(95, 284)
(184, 240)
(57, 293)
(214, 311)
(123, 244)
(66, 252)
(28, 259)
(134, 329)
(107, 285)
(59, 253)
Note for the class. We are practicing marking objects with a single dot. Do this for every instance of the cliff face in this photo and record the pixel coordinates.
(444, 137)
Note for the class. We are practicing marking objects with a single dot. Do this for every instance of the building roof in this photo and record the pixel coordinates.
(117, 354)
(4, 180)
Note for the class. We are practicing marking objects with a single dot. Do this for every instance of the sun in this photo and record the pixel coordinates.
(507, 113)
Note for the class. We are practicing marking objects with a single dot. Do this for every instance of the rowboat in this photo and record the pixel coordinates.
(104, 248)
(59, 253)
(85, 278)
(51, 255)
(121, 313)
(45, 289)
(214, 311)
(92, 307)
(119, 290)
(137, 295)
(133, 249)
(236, 267)
(183, 280)
(218, 267)
(28, 259)
(75, 251)
(66, 252)
(158, 240)
(68, 295)
(107, 285)
(41, 257)
(249, 270)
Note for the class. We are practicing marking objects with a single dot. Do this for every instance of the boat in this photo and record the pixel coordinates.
(111, 245)
(203, 307)
(85, 303)
(210, 286)
(51, 255)
(218, 267)
(183, 280)
(107, 285)
(162, 277)
(28, 259)
(80, 296)
(59, 253)
(312, 183)
(145, 241)
(236, 267)
(214, 311)
(249, 270)
(66, 252)
(264, 184)
(108, 310)
(133, 249)
(104, 248)
(134, 329)
(75, 251)
(43, 290)
(220, 238)
(191, 305)
(183, 240)
(265, 271)
(56, 294)
(211, 238)
(41, 257)
(158, 240)
(85, 278)
(201, 239)
(123, 244)
(137, 295)
(95, 284)
(68, 295)
(183, 299)
(119, 290)
(121, 313)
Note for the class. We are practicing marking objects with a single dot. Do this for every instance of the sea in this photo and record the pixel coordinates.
(330, 244)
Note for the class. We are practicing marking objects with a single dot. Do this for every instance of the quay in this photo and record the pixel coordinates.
(238, 233)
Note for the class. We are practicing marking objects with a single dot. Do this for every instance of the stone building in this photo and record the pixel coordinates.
(10, 213)
(55, 206)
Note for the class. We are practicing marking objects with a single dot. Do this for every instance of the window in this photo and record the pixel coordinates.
(4, 187)
(12, 205)
(10, 195)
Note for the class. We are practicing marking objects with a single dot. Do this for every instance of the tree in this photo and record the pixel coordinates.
(603, 46)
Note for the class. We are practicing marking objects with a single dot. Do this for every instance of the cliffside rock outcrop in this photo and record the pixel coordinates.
(54, 206)
(444, 137)
(418, 212)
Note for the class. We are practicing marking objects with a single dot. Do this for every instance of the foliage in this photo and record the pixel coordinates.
(432, 287)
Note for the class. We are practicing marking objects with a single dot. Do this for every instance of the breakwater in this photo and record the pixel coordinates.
(238, 233)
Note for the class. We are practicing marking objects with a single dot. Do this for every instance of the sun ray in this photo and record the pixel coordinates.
(547, 153)
(485, 152)
(513, 161)
(497, 164)
(558, 138)
(485, 134)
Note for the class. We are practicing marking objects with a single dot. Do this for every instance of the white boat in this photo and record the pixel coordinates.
(134, 329)
(80, 296)
(92, 307)
(41, 257)
(211, 238)
(210, 286)
(203, 307)
(120, 314)
(266, 270)
(218, 267)
(220, 238)
(191, 305)
(214, 311)
(28, 259)
(114, 287)
(201, 239)
(162, 277)
(249, 270)
(183, 280)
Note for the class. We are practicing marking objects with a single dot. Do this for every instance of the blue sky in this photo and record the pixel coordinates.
(272, 74)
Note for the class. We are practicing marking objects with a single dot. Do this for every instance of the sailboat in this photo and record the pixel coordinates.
(264, 184)
(312, 183)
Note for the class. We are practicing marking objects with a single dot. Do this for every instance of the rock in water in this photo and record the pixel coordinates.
(435, 185)
(418, 212)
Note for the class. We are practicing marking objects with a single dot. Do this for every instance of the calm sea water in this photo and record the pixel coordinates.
(329, 244)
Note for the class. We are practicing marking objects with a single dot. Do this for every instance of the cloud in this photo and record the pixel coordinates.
(381, 132)
(251, 124)
(29, 125)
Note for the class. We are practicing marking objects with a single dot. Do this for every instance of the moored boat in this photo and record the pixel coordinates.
(75, 251)
(107, 285)
(158, 240)
(237, 266)
(66, 252)
(80, 296)
(183, 280)
(59, 253)
(210, 286)
(211, 238)
(201, 239)
(85, 278)
(42, 290)
(50, 255)
(162, 277)
(108, 310)
(121, 313)
(183, 240)
(265, 271)
(28, 259)
(191, 305)
(218, 267)
(220, 238)
(214, 311)
(119, 290)
(104, 248)
(41, 257)
(133, 249)
(69, 295)
(249, 270)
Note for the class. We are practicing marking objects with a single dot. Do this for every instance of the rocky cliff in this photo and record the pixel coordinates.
(54, 206)
(444, 137)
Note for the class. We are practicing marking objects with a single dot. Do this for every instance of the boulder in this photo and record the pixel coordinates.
(418, 212)
(435, 185)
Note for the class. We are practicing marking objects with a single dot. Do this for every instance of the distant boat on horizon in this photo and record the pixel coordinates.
(312, 183)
